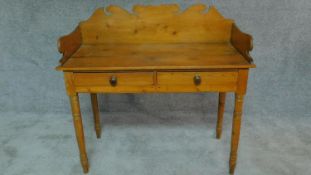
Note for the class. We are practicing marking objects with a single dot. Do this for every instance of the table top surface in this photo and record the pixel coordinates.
(110, 57)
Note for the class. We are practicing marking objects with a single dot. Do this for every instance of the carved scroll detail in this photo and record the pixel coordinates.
(242, 42)
(69, 44)
(154, 11)
(156, 24)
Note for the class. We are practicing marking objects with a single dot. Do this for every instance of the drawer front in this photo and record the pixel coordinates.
(196, 81)
(113, 82)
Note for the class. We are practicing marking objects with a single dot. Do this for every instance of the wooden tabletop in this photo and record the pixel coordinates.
(106, 57)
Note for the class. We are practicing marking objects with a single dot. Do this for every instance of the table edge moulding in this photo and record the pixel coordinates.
(156, 49)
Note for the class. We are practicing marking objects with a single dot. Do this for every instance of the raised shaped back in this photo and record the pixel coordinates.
(156, 24)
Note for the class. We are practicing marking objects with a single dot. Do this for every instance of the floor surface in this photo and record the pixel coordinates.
(175, 143)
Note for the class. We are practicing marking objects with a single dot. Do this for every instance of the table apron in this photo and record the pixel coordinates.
(155, 82)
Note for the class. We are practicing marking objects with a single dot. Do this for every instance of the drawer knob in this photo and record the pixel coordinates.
(197, 80)
(113, 80)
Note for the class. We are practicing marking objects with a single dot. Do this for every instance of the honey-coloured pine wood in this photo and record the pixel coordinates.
(242, 42)
(96, 114)
(156, 24)
(111, 57)
(150, 37)
(184, 81)
(220, 114)
(76, 114)
(236, 126)
(69, 44)
(156, 49)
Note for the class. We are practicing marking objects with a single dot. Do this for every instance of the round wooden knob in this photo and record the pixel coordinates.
(197, 80)
(113, 80)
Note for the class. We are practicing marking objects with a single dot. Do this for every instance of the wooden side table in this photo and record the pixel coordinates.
(156, 49)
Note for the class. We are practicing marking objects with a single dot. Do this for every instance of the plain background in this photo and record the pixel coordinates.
(279, 87)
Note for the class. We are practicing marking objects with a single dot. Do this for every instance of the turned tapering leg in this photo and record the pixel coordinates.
(236, 125)
(221, 109)
(75, 107)
(96, 115)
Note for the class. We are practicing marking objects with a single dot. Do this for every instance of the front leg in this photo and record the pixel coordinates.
(75, 107)
(236, 125)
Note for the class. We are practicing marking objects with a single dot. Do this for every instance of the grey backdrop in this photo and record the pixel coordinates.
(28, 54)
(154, 133)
